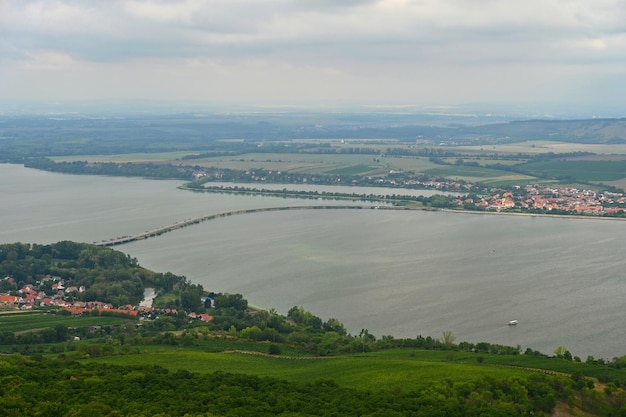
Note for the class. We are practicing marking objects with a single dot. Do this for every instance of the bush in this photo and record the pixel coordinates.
(274, 349)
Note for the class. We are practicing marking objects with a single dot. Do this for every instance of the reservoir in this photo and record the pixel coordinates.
(400, 273)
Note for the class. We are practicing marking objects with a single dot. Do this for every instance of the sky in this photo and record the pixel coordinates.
(281, 52)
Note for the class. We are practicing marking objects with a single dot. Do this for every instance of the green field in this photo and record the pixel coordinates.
(584, 170)
(287, 162)
(25, 322)
(396, 369)
(352, 170)
(482, 174)
(409, 163)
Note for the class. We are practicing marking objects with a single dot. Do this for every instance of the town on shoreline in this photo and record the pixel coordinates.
(53, 292)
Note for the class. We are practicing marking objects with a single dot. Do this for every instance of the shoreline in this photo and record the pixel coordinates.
(382, 199)
(511, 213)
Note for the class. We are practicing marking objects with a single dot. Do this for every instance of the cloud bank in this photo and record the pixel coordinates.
(299, 51)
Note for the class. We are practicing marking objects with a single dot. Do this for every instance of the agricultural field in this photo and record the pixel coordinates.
(408, 163)
(483, 162)
(479, 174)
(288, 162)
(22, 322)
(498, 164)
(540, 147)
(360, 169)
(585, 170)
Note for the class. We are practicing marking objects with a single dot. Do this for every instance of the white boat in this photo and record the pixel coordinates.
(512, 322)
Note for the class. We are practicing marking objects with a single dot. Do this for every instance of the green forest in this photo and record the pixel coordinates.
(164, 361)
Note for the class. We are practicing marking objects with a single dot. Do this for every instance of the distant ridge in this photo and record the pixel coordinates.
(608, 131)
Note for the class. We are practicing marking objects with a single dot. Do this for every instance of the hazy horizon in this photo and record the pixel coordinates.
(471, 112)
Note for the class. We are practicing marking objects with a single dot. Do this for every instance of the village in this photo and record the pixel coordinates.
(52, 293)
(564, 200)
(530, 198)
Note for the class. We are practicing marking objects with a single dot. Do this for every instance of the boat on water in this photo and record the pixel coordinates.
(512, 322)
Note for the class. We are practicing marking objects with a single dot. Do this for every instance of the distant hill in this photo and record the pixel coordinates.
(22, 138)
(577, 131)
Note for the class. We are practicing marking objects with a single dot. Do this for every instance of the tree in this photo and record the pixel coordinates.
(191, 298)
(448, 339)
(365, 338)
(61, 333)
(562, 353)
(334, 325)
(253, 333)
(567, 355)
(304, 318)
(235, 301)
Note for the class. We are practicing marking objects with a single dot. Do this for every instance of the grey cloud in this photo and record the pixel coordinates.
(161, 29)
(374, 42)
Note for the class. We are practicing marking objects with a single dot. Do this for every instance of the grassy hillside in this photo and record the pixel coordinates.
(397, 369)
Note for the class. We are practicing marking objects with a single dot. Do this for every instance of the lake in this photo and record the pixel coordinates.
(400, 273)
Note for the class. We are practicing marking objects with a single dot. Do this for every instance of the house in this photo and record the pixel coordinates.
(8, 299)
(204, 317)
(76, 311)
(27, 289)
(46, 302)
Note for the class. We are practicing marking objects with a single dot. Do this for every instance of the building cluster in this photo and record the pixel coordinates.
(31, 296)
(546, 199)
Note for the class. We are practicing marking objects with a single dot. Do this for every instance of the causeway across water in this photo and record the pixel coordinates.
(189, 222)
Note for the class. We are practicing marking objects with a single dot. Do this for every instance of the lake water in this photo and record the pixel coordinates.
(402, 273)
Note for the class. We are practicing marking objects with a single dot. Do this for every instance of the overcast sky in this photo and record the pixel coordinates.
(426, 52)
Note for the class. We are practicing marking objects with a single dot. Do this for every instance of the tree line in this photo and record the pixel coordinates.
(56, 387)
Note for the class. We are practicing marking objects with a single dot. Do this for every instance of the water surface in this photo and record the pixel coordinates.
(401, 273)
(410, 273)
